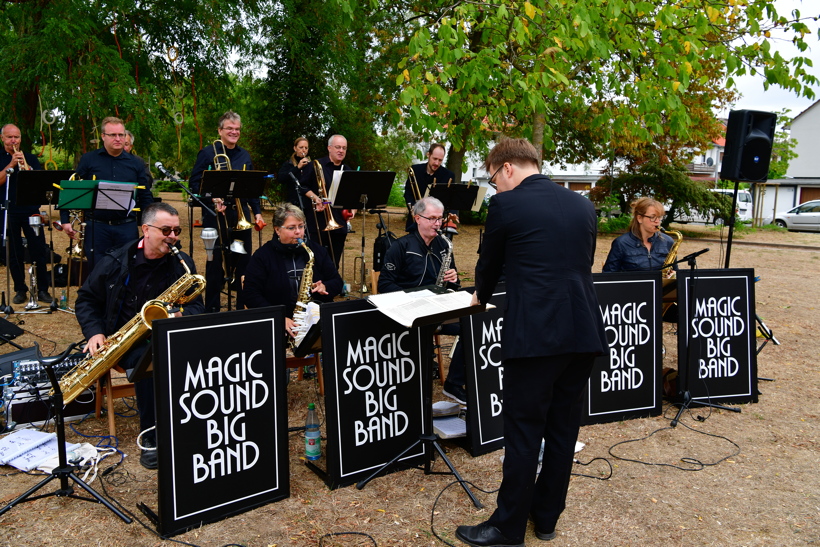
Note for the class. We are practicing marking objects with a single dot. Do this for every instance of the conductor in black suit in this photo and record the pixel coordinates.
(543, 236)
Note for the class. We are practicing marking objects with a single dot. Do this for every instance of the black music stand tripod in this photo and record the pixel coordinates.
(428, 438)
(356, 190)
(230, 184)
(64, 471)
(686, 395)
(38, 188)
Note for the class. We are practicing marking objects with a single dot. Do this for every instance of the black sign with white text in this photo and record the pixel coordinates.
(626, 381)
(718, 336)
(221, 415)
(481, 339)
(373, 390)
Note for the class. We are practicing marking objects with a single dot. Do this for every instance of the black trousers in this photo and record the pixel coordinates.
(38, 251)
(214, 271)
(542, 399)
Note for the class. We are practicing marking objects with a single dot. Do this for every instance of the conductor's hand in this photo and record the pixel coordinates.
(95, 343)
(451, 276)
(69, 231)
(318, 287)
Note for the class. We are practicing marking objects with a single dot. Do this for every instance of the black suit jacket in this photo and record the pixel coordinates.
(542, 236)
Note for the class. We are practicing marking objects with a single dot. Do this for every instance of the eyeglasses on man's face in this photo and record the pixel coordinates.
(166, 230)
(492, 182)
(115, 135)
(432, 220)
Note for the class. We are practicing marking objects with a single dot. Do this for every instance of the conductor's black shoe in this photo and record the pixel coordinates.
(453, 391)
(148, 458)
(43, 296)
(485, 535)
(20, 297)
(545, 536)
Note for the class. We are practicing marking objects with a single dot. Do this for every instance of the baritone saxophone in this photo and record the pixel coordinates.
(93, 367)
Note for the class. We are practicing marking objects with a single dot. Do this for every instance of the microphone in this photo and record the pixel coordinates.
(693, 255)
(10, 171)
(165, 173)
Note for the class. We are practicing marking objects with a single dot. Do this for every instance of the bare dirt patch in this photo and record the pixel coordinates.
(766, 494)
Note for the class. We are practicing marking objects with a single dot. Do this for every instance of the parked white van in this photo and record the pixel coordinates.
(744, 208)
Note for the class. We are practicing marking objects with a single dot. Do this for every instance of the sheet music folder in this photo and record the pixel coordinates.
(348, 187)
(233, 183)
(456, 196)
(426, 305)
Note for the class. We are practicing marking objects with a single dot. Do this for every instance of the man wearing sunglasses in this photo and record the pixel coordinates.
(108, 229)
(414, 261)
(116, 290)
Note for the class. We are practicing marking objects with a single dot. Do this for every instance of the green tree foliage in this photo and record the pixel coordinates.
(584, 76)
(783, 149)
(138, 60)
(667, 183)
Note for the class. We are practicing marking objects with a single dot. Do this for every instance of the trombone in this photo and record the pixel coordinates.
(330, 222)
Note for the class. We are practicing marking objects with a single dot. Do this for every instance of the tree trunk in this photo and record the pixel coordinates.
(455, 162)
(538, 135)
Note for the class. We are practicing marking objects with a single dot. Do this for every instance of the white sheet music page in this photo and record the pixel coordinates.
(115, 196)
(405, 307)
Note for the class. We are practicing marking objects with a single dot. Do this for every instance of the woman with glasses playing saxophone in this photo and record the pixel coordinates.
(275, 271)
(644, 247)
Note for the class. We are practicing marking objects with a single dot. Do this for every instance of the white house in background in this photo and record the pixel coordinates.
(802, 182)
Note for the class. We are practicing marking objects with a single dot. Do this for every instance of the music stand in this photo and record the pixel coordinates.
(427, 328)
(459, 197)
(358, 190)
(89, 195)
(231, 184)
(36, 188)
(64, 471)
(683, 375)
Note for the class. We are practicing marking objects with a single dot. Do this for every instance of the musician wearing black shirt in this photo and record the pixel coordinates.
(108, 229)
(332, 240)
(18, 220)
(426, 175)
(229, 129)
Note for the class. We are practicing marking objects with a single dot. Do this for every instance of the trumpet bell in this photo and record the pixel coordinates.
(238, 247)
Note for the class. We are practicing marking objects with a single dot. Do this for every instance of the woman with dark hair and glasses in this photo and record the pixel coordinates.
(275, 270)
(644, 247)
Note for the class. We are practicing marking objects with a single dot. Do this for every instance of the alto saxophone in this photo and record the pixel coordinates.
(90, 369)
(673, 252)
(445, 262)
(300, 316)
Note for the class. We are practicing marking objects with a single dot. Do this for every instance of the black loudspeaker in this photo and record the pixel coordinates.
(748, 151)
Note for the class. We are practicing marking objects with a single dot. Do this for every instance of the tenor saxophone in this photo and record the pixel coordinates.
(90, 369)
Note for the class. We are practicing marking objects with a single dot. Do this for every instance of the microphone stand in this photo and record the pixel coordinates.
(64, 471)
(6, 307)
(685, 393)
(301, 201)
(194, 197)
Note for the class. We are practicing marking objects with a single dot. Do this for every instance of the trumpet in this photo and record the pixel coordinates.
(22, 164)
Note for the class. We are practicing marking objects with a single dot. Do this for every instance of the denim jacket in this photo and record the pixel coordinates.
(628, 253)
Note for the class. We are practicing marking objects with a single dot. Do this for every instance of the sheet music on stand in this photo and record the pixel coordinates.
(408, 307)
(116, 196)
(334, 185)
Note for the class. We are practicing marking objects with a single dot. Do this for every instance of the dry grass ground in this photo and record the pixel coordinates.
(768, 493)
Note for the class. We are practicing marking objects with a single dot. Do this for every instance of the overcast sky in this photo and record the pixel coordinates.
(776, 98)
